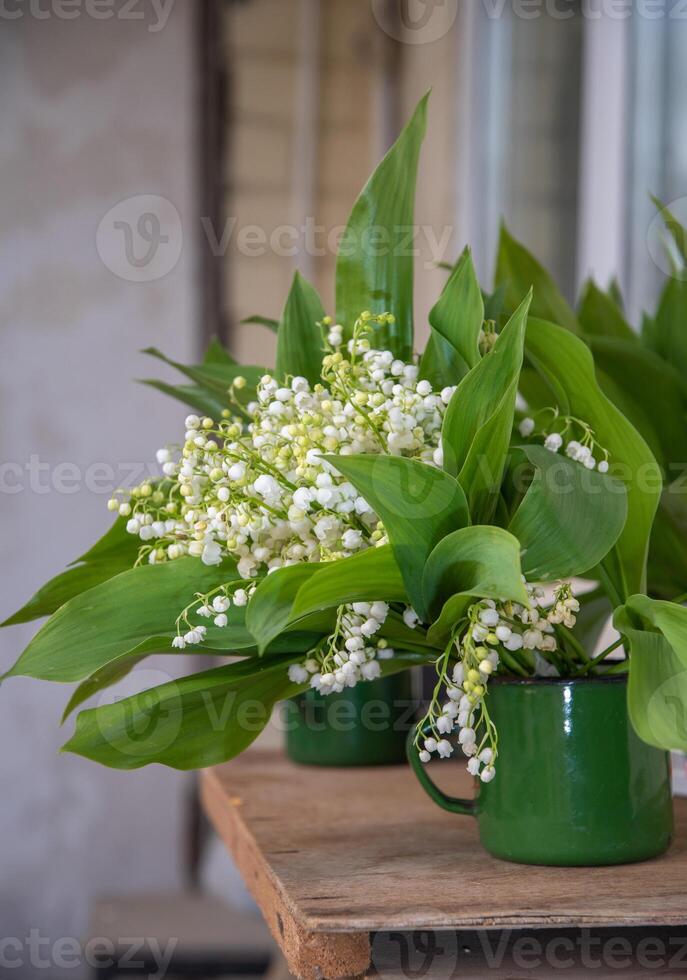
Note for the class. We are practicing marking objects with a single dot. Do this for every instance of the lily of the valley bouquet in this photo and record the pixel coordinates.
(360, 510)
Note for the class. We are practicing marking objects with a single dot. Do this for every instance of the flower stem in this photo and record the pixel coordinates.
(604, 653)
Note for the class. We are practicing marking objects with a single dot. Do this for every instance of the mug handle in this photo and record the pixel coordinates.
(453, 804)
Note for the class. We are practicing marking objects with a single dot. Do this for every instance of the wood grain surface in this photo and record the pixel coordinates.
(341, 853)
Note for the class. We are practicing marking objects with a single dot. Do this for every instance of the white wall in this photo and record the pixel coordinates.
(92, 113)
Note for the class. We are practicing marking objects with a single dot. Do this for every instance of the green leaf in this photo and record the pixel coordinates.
(262, 321)
(292, 594)
(441, 364)
(478, 422)
(600, 315)
(190, 723)
(648, 333)
(494, 303)
(567, 365)
(216, 376)
(116, 670)
(481, 562)
(269, 610)
(198, 398)
(570, 517)
(217, 353)
(458, 315)
(657, 685)
(653, 387)
(299, 340)
(667, 569)
(115, 552)
(418, 505)
(374, 267)
(112, 619)
(115, 541)
(632, 410)
(518, 271)
(669, 333)
(370, 575)
(109, 675)
(535, 391)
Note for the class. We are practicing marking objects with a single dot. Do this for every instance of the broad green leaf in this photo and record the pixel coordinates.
(262, 321)
(653, 384)
(441, 364)
(374, 267)
(116, 670)
(600, 315)
(478, 422)
(657, 685)
(370, 575)
(667, 568)
(669, 326)
(518, 271)
(217, 353)
(418, 505)
(625, 401)
(197, 721)
(299, 340)
(190, 723)
(114, 553)
(201, 399)
(474, 562)
(216, 376)
(110, 674)
(292, 594)
(115, 541)
(269, 610)
(458, 315)
(494, 303)
(567, 365)
(648, 333)
(112, 619)
(534, 389)
(570, 517)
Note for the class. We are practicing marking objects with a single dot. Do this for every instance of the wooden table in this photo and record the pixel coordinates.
(333, 856)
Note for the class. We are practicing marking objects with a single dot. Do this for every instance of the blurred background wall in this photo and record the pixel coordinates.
(165, 169)
(93, 113)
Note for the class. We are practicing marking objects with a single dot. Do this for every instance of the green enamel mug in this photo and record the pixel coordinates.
(365, 725)
(574, 783)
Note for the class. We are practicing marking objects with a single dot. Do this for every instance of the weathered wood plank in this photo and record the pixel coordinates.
(310, 954)
(352, 851)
